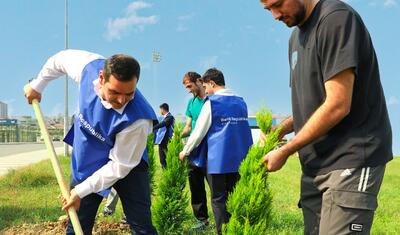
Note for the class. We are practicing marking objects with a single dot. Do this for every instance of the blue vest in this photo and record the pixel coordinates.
(229, 137)
(198, 156)
(95, 128)
(159, 135)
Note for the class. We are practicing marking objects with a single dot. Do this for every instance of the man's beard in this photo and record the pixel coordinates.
(298, 17)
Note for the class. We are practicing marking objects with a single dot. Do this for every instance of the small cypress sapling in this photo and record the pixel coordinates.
(264, 120)
(250, 203)
(151, 160)
(169, 209)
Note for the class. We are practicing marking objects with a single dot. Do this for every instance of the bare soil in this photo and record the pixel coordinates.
(52, 228)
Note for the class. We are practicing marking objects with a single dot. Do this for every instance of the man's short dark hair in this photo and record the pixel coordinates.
(165, 106)
(192, 77)
(123, 67)
(215, 75)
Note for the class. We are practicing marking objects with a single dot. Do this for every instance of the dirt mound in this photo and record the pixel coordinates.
(51, 228)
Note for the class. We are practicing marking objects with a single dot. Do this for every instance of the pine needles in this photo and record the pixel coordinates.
(250, 203)
(170, 208)
(151, 161)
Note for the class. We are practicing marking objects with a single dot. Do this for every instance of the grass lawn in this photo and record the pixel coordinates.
(30, 195)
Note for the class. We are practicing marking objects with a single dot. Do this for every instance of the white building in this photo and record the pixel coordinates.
(3, 110)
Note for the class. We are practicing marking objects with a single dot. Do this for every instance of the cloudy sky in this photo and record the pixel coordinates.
(239, 37)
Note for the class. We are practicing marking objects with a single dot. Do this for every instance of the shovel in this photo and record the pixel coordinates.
(56, 164)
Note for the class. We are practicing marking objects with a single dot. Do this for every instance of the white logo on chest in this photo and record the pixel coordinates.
(293, 60)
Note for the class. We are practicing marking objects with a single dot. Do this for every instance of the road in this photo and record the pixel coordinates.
(13, 156)
(12, 149)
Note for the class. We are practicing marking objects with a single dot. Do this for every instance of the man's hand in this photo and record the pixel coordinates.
(262, 139)
(31, 94)
(74, 200)
(275, 160)
(182, 156)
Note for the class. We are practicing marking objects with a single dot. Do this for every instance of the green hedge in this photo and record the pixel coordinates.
(169, 210)
(250, 203)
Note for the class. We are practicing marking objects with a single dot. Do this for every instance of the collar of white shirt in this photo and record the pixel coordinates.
(165, 115)
(227, 92)
(105, 103)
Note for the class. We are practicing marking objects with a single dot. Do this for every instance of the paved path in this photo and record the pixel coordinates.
(20, 159)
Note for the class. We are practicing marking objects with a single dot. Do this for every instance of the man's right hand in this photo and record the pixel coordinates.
(31, 94)
(182, 156)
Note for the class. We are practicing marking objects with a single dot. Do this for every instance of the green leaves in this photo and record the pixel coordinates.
(151, 161)
(264, 120)
(169, 211)
(250, 204)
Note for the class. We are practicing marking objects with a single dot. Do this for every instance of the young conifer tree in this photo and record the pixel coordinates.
(151, 160)
(250, 202)
(169, 208)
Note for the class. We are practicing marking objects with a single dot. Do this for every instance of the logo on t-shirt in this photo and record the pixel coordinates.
(293, 60)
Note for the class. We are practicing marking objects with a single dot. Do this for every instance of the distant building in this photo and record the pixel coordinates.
(3, 110)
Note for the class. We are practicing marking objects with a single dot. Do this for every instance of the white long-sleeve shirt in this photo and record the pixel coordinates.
(203, 123)
(130, 143)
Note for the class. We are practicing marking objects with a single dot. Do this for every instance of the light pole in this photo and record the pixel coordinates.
(156, 56)
(156, 59)
(66, 119)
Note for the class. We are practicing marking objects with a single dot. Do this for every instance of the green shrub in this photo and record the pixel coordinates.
(169, 210)
(151, 160)
(250, 203)
(264, 120)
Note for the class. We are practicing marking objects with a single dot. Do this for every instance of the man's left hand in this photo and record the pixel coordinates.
(275, 160)
(74, 200)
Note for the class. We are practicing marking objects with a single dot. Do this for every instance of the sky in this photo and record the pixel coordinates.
(238, 37)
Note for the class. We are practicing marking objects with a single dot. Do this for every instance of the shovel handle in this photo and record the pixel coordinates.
(55, 163)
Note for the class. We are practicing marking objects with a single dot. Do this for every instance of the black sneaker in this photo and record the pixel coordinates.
(106, 212)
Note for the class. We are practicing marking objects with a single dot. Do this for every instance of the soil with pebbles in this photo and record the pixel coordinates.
(52, 228)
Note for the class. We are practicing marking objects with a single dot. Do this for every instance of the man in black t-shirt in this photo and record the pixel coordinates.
(343, 133)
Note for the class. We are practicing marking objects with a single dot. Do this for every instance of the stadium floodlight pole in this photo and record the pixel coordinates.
(66, 119)
(156, 56)
(156, 59)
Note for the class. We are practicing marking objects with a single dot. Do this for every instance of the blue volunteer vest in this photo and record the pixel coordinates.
(229, 137)
(161, 132)
(198, 156)
(95, 127)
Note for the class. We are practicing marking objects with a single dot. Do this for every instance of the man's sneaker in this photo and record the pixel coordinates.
(123, 220)
(201, 225)
(106, 212)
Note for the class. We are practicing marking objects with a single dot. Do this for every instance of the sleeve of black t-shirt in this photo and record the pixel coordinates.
(337, 38)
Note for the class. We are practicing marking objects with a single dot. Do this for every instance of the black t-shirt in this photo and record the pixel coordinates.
(334, 38)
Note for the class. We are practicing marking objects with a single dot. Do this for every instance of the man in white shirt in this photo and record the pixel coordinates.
(223, 123)
(163, 133)
(108, 136)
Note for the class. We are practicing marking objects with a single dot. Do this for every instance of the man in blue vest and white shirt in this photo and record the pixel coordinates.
(223, 123)
(164, 129)
(108, 136)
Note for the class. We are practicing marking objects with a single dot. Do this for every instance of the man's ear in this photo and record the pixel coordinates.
(212, 83)
(102, 79)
